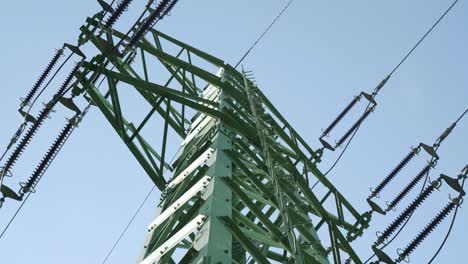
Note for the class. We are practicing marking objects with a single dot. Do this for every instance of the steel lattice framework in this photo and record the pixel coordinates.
(238, 190)
(240, 185)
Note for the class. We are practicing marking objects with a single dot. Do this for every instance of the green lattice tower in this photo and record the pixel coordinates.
(240, 186)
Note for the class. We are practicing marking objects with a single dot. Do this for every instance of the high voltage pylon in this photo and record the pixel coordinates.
(239, 183)
(239, 190)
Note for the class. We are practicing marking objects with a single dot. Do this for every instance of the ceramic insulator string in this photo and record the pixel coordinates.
(122, 7)
(393, 173)
(354, 127)
(427, 230)
(42, 78)
(340, 116)
(170, 7)
(157, 14)
(40, 120)
(47, 159)
(409, 187)
(405, 214)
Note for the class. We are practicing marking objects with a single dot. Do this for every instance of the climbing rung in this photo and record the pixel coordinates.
(219, 74)
(202, 116)
(196, 131)
(167, 246)
(180, 202)
(209, 92)
(197, 121)
(192, 167)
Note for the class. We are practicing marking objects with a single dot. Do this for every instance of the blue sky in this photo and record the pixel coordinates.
(319, 55)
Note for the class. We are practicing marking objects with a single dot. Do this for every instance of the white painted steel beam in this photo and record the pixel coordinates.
(192, 167)
(175, 239)
(170, 210)
(195, 132)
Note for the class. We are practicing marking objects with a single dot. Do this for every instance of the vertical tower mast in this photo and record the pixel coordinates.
(239, 189)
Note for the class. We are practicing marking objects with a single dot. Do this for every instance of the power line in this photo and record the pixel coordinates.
(135, 214)
(461, 116)
(264, 33)
(128, 224)
(14, 216)
(423, 37)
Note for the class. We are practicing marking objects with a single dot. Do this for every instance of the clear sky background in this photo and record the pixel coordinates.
(320, 55)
